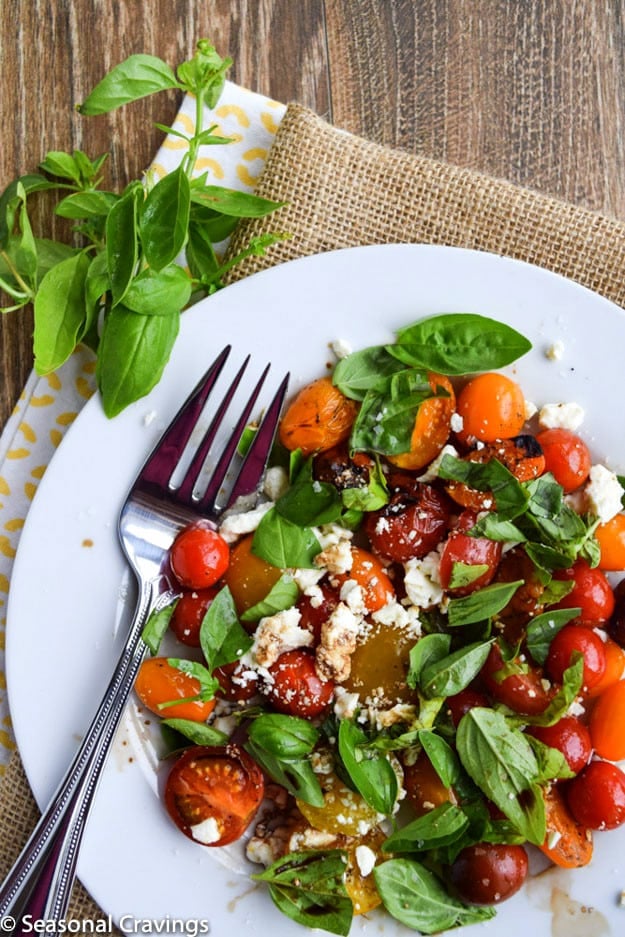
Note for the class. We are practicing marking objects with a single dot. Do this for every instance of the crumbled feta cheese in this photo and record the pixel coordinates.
(336, 558)
(235, 526)
(149, 417)
(345, 703)
(422, 580)
(561, 416)
(353, 595)
(603, 493)
(553, 838)
(275, 482)
(207, 832)
(329, 534)
(310, 838)
(401, 712)
(338, 643)
(394, 615)
(433, 468)
(277, 634)
(456, 423)
(365, 858)
(555, 351)
(530, 409)
(341, 348)
(306, 579)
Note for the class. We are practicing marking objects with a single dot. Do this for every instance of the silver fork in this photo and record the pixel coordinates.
(40, 883)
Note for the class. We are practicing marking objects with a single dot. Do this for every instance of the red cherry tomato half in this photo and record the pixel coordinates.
(569, 736)
(295, 688)
(566, 456)
(236, 682)
(591, 592)
(574, 638)
(212, 793)
(522, 691)
(189, 613)
(488, 873)
(469, 551)
(424, 788)
(596, 797)
(199, 556)
(413, 522)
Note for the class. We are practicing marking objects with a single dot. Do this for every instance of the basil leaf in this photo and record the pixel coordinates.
(284, 736)
(222, 638)
(284, 544)
(204, 75)
(159, 292)
(552, 765)
(9, 200)
(59, 312)
(501, 761)
(156, 626)
(463, 574)
(165, 219)
(86, 205)
(442, 756)
(282, 595)
(209, 685)
(133, 353)
(365, 370)
(459, 343)
(310, 504)
(50, 253)
(136, 77)
(454, 673)
(197, 732)
(309, 888)
(438, 827)
(509, 494)
(294, 774)
(427, 651)
(481, 604)
(232, 202)
(386, 419)
(371, 772)
(369, 497)
(62, 165)
(122, 249)
(415, 897)
(200, 253)
(542, 630)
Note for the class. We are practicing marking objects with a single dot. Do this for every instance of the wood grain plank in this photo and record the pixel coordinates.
(53, 54)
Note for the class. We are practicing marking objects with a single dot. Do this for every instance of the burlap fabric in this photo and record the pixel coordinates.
(343, 191)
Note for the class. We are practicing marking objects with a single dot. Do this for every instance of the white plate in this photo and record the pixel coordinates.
(68, 601)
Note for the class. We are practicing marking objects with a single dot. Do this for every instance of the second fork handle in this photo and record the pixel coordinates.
(40, 883)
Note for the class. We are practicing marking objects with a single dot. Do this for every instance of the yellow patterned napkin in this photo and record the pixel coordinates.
(49, 405)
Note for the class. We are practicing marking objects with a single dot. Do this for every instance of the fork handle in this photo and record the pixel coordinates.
(40, 883)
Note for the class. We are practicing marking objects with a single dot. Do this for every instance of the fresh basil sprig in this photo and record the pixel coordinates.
(370, 771)
(413, 895)
(122, 288)
(282, 745)
(309, 888)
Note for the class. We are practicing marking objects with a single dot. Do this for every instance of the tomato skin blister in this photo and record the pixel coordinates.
(426, 540)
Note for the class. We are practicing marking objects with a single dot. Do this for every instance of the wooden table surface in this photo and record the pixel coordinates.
(529, 90)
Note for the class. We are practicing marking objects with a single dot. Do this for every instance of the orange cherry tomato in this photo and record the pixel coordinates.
(607, 723)
(158, 682)
(380, 665)
(614, 668)
(371, 576)
(492, 406)
(611, 539)
(431, 427)
(212, 793)
(320, 417)
(568, 843)
(249, 577)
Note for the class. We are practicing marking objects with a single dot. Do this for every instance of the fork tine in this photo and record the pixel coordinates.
(207, 502)
(255, 460)
(184, 492)
(159, 466)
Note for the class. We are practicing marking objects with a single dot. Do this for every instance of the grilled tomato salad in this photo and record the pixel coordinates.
(400, 673)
